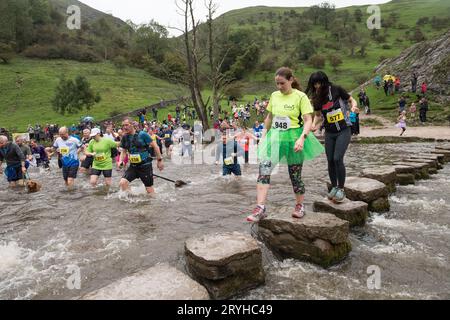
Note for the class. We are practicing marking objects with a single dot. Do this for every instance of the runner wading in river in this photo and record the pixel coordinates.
(332, 101)
(287, 140)
(138, 144)
(15, 161)
(68, 148)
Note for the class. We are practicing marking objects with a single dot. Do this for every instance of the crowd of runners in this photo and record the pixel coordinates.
(286, 136)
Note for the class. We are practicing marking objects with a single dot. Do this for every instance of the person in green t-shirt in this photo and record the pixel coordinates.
(288, 141)
(100, 149)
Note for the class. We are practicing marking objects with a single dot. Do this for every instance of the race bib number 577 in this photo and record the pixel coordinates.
(335, 116)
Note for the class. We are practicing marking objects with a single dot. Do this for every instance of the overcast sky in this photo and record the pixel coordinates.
(164, 11)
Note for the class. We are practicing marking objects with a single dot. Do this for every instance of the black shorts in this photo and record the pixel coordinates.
(106, 173)
(69, 172)
(87, 163)
(143, 172)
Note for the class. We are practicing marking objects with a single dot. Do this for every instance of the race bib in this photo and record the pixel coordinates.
(196, 134)
(100, 157)
(228, 161)
(37, 156)
(186, 143)
(167, 136)
(335, 116)
(135, 158)
(281, 123)
(64, 151)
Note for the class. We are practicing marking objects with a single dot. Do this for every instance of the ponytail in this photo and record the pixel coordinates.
(287, 73)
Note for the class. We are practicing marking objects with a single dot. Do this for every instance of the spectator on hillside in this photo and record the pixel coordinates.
(423, 109)
(414, 82)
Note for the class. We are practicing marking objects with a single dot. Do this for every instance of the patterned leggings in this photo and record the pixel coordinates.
(295, 173)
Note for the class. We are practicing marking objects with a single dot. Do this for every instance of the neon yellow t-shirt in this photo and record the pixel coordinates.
(290, 106)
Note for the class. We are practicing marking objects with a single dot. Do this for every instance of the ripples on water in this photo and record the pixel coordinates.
(110, 235)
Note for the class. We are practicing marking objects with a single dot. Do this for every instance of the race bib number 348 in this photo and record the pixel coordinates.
(281, 123)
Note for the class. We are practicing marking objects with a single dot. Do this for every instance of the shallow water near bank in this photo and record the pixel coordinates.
(109, 235)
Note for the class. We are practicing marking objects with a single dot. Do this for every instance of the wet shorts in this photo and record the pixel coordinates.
(69, 172)
(87, 163)
(14, 174)
(143, 172)
(234, 168)
(106, 173)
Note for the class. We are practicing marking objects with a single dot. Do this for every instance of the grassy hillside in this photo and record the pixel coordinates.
(354, 70)
(121, 91)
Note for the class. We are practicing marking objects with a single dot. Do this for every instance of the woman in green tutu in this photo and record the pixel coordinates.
(287, 141)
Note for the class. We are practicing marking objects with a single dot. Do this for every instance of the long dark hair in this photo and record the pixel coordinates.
(320, 97)
(287, 73)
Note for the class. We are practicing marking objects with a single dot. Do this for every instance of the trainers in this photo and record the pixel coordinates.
(257, 215)
(332, 193)
(339, 196)
(299, 211)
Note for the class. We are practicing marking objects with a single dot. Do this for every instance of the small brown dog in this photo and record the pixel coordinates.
(33, 186)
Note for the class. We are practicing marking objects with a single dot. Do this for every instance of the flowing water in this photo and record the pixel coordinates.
(110, 235)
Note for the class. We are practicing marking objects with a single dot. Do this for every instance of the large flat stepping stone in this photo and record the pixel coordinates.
(439, 158)
(355, 212)
(320, 238)
(421, 169)
(431, 164)
(161, 282)
(370, 191)
(386, 175)
(226, 264)
(445, 153)
(406, 168)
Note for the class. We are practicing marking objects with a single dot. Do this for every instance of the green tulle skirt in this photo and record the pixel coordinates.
(278, 147)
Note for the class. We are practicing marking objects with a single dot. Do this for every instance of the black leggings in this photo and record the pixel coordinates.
(336, 145)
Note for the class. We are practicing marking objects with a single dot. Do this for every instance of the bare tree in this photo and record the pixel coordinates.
(190, 33)
(219, 80)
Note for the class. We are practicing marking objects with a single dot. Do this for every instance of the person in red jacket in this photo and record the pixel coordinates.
(424, 88)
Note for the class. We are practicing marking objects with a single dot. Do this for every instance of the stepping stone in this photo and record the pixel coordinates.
(432, 166)
(421, 169)
(439, 158)
(404, 169)
(355, 212)
(386, 175)
(404, 179)
(370, 191)
(161, 282)
(443, 147)
(226, 264)
(445, 153)
(320, 238)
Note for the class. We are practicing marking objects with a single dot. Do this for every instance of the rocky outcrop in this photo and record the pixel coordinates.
(161, 282)
(320, 238)
(226, 264)
(421, 58)
(386, 175)
(445, 153)
(355, 212)
(370, 191)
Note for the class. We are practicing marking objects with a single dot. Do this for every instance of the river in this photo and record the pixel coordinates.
(109, 235)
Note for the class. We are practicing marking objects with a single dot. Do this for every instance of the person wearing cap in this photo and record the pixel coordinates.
(100, 149)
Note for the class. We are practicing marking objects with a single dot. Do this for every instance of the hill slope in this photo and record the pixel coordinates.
(31, 103)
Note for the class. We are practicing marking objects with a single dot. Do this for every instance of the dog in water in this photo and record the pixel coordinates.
(33, 186)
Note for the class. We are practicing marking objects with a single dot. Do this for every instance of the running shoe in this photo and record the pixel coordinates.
(332, 193)
(257, 215)
(299, 211)
(340, 196)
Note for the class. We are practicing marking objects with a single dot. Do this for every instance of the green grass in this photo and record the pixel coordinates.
(120, 91)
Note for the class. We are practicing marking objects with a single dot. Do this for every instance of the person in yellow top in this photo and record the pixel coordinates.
(288, 141)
